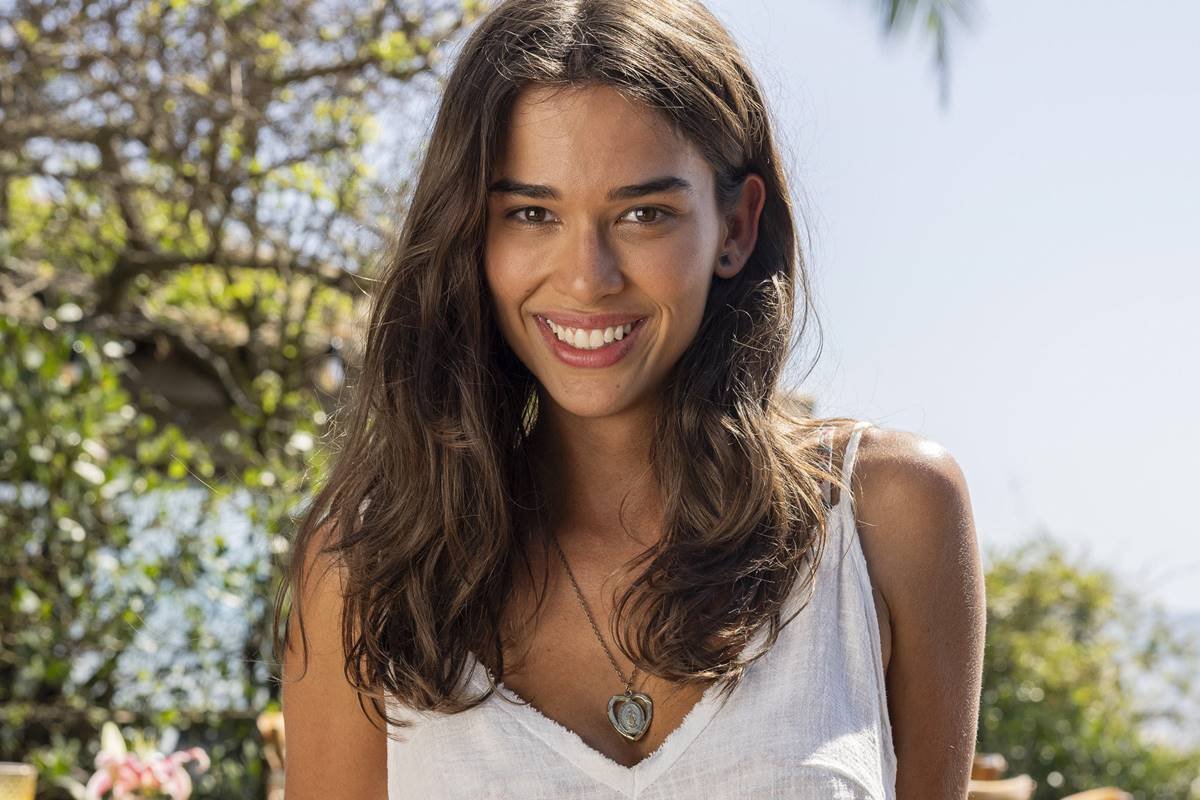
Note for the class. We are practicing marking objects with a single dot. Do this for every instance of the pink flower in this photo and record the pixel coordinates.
(131, 775)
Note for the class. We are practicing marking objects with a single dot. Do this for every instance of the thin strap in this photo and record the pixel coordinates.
(852, 451)
(827, 446)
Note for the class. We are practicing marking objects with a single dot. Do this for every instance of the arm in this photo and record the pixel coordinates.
(333, 750)
(916, 525)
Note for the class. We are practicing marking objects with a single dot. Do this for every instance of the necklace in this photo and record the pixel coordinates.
(630, 712)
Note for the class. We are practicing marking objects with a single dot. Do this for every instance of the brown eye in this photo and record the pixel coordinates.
(649, 215)
(522, 215)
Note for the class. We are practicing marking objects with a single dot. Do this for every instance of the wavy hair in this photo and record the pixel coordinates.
(430, 502)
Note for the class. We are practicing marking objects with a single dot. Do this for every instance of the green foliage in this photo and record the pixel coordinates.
(73, 445)
(1067, 646)
(184, 255)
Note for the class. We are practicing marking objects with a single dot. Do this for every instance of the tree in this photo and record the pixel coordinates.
(1069, 649)
(939, 18)
(187, 227)
(193, 176)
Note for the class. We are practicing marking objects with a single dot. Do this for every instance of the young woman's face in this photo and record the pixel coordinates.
(602, 223)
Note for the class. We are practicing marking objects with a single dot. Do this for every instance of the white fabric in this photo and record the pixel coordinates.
(809, 720)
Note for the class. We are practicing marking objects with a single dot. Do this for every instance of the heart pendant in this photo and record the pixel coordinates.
(630, 714)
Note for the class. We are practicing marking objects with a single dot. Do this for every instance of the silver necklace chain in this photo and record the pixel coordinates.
(562, 557)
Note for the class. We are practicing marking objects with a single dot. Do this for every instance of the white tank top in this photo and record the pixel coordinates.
(809, 720)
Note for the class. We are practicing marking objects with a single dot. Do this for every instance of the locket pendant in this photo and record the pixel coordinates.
(630, 713)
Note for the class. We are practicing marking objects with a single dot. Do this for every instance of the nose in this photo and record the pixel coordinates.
(588, 267)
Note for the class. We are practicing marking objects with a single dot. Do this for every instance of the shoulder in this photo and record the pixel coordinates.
(914, 520)
(336, 742)
(913, 514)
(897, 472)
(891, 463)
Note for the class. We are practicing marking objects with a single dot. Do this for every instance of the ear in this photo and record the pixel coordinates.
(741, 227)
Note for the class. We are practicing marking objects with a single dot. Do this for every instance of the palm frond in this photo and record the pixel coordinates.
(939, 17)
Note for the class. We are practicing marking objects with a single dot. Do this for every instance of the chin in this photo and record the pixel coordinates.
(586, 407)
(591, 399)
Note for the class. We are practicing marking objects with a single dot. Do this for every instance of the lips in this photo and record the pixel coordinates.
(605, 356)
(588, 321)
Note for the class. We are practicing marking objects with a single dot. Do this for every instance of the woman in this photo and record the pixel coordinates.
(577, 543)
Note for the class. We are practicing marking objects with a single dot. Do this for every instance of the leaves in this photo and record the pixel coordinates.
(1066, 648)
(938, 18)
(188, 218)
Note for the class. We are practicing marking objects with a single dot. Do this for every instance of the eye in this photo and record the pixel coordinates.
(657, 215)
(519, 215)
(536, 216)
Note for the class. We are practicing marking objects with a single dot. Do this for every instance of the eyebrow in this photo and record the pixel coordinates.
(540, 191)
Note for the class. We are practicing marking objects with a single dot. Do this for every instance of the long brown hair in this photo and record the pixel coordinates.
(430, 501)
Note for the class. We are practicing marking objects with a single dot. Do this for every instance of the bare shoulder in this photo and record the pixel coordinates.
(915, 523)
(887, 455)
(902, 473)
(333, 749)
(913, 511)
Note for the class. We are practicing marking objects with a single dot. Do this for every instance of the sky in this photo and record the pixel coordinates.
(1013, 275)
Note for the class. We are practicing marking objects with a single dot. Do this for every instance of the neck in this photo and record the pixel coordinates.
(597, 476)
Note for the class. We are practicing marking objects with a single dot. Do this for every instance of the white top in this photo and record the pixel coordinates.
(809, 720)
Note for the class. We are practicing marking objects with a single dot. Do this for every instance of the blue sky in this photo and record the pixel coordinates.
(1015, 275)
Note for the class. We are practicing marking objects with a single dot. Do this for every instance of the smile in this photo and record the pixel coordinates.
(590, 347)
(589, 339)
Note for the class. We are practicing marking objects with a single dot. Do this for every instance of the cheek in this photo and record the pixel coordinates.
(679, 272)
(508, 284)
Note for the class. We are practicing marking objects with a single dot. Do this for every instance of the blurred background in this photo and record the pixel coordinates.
(1000, 209)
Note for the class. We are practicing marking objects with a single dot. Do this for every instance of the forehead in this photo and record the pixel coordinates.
(593, 138)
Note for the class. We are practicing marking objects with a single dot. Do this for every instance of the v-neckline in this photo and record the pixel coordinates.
(571, 746)
(629, 781)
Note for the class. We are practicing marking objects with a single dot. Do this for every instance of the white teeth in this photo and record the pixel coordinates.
(584, 339)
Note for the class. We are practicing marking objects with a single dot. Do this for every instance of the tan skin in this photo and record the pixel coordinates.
(590, 254)
(587, 253)
(333, 751)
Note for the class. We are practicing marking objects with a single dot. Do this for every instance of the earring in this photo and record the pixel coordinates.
(725, 260)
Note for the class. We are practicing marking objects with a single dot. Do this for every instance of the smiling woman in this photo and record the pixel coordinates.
(577, 533)
(630, 239)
